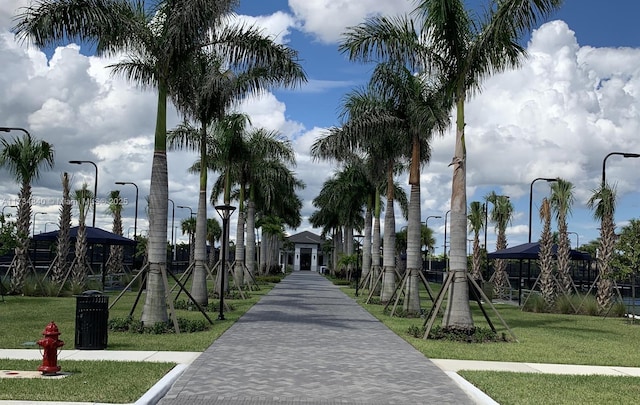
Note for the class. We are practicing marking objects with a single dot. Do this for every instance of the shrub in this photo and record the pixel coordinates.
(535, 303)
(417, 331)
(473, 335)
(133, 326)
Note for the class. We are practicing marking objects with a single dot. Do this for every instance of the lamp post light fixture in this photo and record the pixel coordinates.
(9, 129)
(577, 238)
(623, 154)
(225, 212)
(187, 208)
(33, 232)
(426, 224)
(359, 238)
(548, 180)
(135, 220)
(8, 206)
(95, 186)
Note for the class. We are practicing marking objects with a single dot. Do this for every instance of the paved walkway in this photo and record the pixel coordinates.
(306, 342)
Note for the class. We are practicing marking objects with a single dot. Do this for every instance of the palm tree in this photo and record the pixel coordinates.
(188, 227)
(603, 204)
(476, 223)
(501, 216)
(160, 41)
(214, 232)
(64, 240)
(561, 202)
(83, 198)
(446, 38)
(547, 282)
(24, 158)
(116, 252)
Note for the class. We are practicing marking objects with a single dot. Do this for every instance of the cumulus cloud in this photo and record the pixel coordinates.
(326, 20)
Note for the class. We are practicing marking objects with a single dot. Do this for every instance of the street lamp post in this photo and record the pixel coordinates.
(187, 208)
(47, 223)
(8, 206)
(359, 238)
(577, 239)
(548, 180)
(95, 186)
(33, 232)
(135, 220)
(173, 217)
(426, 224)
(623, 154)
(9, 129)
(225, 212)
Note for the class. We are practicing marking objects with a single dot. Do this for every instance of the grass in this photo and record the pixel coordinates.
(24, 319)
(89, 381)
(542, 338)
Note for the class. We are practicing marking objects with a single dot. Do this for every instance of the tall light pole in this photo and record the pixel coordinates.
(359, 238)
(426, 224)
(33, 232)
(173, 217)
(191, 242)
(47, 223)
(225, 212)
(548, 180)
(95, 186)
(135, 220)
(623, 154)
(577, 239)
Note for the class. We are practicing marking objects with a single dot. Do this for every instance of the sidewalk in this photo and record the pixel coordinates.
(306, 342)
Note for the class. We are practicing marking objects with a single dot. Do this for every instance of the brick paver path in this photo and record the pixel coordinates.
(308, 343)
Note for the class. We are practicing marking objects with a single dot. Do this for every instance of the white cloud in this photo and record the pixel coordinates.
(326, 20)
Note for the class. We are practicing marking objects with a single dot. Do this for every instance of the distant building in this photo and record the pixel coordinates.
(306, 254)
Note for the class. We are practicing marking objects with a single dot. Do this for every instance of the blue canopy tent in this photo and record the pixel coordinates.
(531, 251)
(94, 236)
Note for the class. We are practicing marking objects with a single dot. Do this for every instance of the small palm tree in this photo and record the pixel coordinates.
(476, 223)
(24, 158)
(214, 232)
(501, 216)
(545, 255)
(561, 202)
(603, 204)
(116, 252)
(64, 240)
(83, 198)
(188, 227)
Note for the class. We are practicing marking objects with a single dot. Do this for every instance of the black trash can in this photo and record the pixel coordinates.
(92, 317)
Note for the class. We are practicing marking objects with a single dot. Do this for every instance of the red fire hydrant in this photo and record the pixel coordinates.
(50, 345)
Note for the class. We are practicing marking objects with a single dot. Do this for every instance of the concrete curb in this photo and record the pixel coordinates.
(473, 391)
(159, 390)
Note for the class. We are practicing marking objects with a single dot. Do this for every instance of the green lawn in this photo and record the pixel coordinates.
(542, 338)
(23, 320)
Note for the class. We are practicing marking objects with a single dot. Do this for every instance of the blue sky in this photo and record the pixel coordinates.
(575, 99)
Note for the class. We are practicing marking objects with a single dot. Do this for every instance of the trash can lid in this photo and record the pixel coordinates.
(92, 292)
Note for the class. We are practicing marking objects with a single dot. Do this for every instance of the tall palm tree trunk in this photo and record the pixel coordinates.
(605, 253)
(388, 254)
(199, 282)
(414, 260)
(238, 270)
(564, 248)
(250, 258)
(458, 312)
(375, 251)
(21, 267)
(155, 306)
(547, 284)
(64, 240)
(366, 244)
